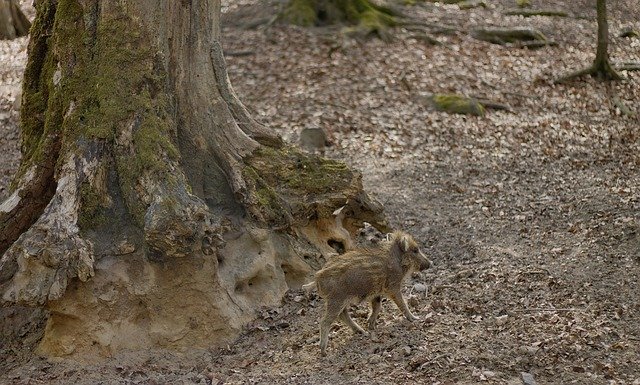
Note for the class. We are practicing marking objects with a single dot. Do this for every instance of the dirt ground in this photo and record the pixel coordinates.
(532, 216)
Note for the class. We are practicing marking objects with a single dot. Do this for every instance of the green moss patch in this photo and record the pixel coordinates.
(300, 12)
(285, 183)
(456, 104)
(92, 76)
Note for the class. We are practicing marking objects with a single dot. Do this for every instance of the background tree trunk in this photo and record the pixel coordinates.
(13, 23)
(150, 209)
(602, 65)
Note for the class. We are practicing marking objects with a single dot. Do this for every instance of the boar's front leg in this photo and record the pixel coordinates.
(375, 310)
(346, 318)
(397, 298)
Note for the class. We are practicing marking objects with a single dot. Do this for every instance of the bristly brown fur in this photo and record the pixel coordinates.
(367, 274)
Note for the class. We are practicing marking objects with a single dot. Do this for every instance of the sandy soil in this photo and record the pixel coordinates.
(531, 216)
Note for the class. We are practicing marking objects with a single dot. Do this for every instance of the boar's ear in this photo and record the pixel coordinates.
(405, 242)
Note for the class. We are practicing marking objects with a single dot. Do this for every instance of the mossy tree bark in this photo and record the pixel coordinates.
(150, 209)
(13, 23)
(601, 67)
(365, 15)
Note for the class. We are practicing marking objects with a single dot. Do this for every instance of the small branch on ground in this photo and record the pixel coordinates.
(435, 28)
(630, 66)
(522, 37)
(629, 32)
(533, 310)
(426, 37)
(488, 103)
(624, 110)
(536, 12)
(239, 53)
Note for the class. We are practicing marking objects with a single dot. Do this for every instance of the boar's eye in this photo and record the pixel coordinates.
(414, 249)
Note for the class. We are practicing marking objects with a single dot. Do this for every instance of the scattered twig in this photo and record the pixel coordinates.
(630, 66)
(518, 94)
(436, 289)
(424, 36)
(524, 37)
(488, 103)
(541, 271)
(536, 44)
(536, 12)
(240, 53)
(533, 310)
(436, 28)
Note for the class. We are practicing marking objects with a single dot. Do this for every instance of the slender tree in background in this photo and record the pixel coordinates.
(150, 209)
(601, 66)
(13, 23)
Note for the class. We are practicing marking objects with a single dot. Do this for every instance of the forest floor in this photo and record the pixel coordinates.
(532, 216)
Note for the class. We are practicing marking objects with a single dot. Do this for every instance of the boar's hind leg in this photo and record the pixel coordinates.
(346, 318)
(375, 309)
(331, 312)
(397, 298)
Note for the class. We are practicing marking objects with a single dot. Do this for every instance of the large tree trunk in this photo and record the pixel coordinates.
(13, 23)
(150, 209)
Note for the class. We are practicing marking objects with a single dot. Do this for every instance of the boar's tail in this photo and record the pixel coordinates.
(309, 286)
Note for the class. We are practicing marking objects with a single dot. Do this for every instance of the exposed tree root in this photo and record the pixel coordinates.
(245, 121)
(38, 266)
(13, 23)
(601, 67)
(363, 16)
(603, 71)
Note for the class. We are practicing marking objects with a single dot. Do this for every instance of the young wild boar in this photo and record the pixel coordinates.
(367, 274)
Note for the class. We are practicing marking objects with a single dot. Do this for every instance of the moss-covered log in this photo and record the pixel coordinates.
(364, 16)
(457, 104)
(150, 209)
(13, 23)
